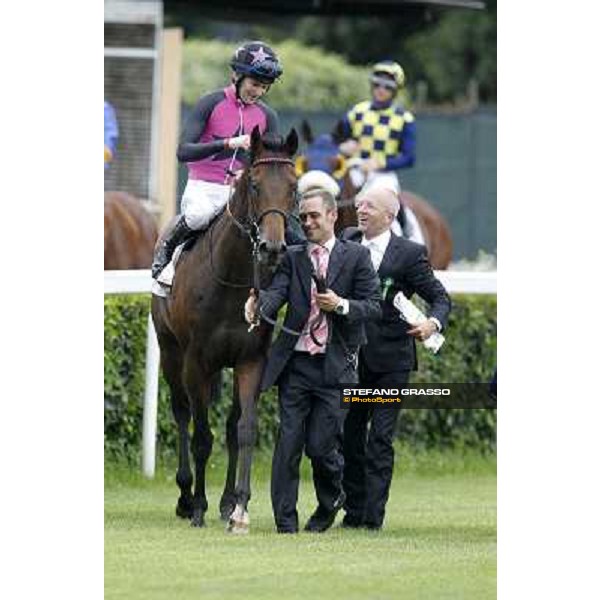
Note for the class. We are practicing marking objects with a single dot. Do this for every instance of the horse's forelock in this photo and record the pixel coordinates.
(273, 142)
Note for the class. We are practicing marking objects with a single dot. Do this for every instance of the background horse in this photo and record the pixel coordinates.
(322, 153)
(201, 329)
(129, 232)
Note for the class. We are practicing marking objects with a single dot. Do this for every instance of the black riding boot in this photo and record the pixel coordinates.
(164, 252)
(406, 227)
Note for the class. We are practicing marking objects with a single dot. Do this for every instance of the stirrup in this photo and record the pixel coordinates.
(161, 260)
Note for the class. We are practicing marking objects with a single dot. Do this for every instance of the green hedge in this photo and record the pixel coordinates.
(468, 355)
(312, 79)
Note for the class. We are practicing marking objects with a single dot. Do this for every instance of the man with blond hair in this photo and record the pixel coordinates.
(307, 367)
(389, 356)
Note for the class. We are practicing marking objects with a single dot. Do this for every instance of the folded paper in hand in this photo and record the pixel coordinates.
(413, 316)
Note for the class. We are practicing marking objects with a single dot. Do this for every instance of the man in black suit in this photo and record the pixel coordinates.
(388, 357)
(308, 367)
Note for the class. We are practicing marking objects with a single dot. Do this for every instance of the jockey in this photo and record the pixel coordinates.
(111, 133)
(382, 133)
(215, 141)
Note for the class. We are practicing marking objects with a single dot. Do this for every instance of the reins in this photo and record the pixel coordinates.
(253, 233)
(251, 230)
(313, 327)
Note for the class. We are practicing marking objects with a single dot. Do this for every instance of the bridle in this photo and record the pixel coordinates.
(250, 228)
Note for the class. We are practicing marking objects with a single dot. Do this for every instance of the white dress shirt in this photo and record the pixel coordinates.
(377, 246)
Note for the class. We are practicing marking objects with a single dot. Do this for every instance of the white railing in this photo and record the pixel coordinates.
(456, 282)
(139, 282)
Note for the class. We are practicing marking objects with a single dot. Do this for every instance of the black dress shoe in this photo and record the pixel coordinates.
(322, 519)
(282, 530)
(350, 522)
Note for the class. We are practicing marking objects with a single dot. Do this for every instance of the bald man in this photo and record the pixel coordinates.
(389, 356)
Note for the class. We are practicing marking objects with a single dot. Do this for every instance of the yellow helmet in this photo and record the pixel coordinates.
(391, 69)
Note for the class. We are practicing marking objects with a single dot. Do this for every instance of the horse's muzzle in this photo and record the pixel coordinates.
(271, 252)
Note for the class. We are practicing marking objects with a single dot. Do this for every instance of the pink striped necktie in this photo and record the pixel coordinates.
(321, 260)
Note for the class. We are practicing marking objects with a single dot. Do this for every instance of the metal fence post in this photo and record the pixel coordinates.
(150, 401)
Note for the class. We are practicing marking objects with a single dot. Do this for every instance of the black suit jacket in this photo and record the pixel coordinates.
(389, 347)
(350, 274)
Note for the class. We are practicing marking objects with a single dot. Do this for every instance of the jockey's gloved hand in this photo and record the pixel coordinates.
(241, 141)
(349, 147)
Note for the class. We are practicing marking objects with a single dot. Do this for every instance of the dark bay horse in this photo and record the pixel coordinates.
(201, 328)
(130, 232)
(322, 153)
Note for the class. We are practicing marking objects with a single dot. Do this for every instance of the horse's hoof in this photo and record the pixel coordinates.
(239, 530)
(197, 519)
(227, 511)
(184, 510)
(239, 521)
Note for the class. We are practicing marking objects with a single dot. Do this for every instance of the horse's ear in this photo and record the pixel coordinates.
(337, 133)
(291, 142)
(306, 132)
(255, 141)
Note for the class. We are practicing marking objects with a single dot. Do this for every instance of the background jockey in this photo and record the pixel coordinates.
(111, 133)
(215, 140)
(382, 133)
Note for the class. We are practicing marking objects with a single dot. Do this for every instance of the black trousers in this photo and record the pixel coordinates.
(369, 453)
(310, 418)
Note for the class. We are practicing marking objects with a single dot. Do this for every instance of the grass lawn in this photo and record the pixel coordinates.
(438, 541)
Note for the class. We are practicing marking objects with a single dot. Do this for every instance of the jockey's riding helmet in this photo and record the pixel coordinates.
(256, 60)
(388, 73)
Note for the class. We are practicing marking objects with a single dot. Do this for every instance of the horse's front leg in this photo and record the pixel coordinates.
(248, 376)
(228, 499)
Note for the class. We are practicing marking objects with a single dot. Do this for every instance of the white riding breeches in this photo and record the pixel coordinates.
(416, 233)
(202, 201)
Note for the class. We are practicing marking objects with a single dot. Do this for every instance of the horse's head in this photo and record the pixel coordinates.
(271, 189)
(322, 154)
